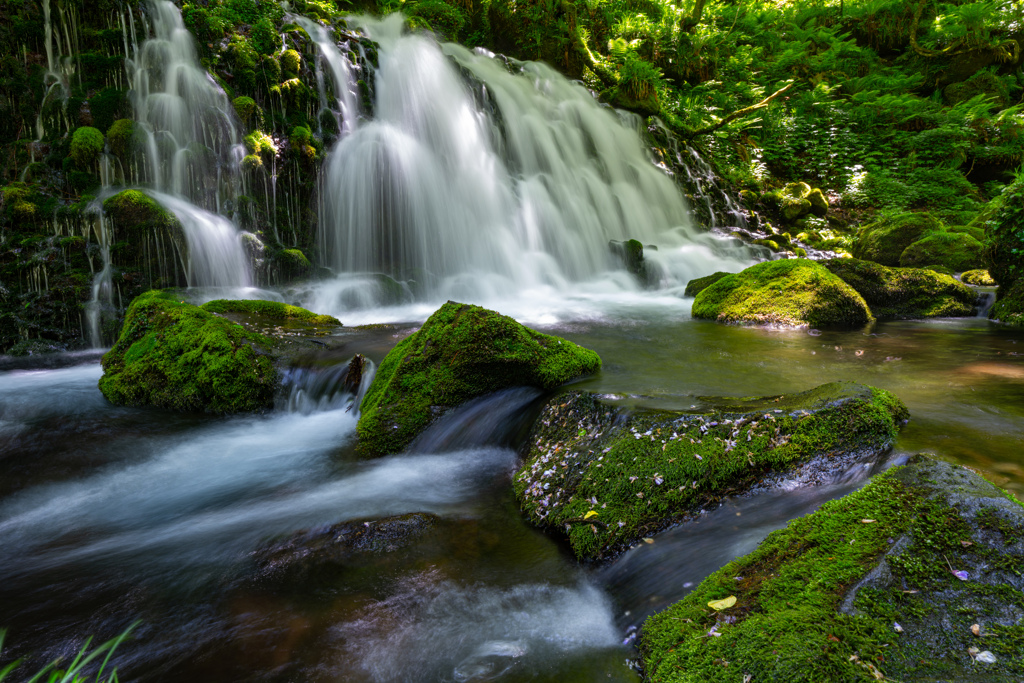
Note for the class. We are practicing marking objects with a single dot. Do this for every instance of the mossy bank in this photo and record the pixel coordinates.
(607, 477)
(915, 577)
(461, 352)
(903, 293)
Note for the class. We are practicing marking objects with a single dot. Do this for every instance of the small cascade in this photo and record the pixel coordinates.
(343, 82)
(191, 146)
(101, 301)
(336, 387)
(479, 176)
(59, 68)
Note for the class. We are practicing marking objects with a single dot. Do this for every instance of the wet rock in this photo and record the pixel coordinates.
(461, 352)
(607, 477)
(905, 293)
(912, 578)
(631, 254)
(787, 292)
(223, 357)
(318, 554)
(884, 241)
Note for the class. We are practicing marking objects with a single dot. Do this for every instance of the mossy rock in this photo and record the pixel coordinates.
(291, 265)
(884, 242)
(607, 477)
(863, 589)
(461, 352)
(770, 244)
(171, 354)
(982, 83)
(978, 278)
(698, 285)
(788, 292)
(905, 293)
(975, 231)
(86, 146)
(274, 311)
(134, 209)
(797, 201)
(1009, 307)
(247, 110)
(121, 137)
(631, 254)
(956, 251)
(819, 203)
(291, 62)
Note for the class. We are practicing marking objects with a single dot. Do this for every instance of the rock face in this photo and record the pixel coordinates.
(883, 242)
(955, 250)
(174, 355)
(461, 352)
(607, 477)
(788, 292)
(904, 293)
(915, 577)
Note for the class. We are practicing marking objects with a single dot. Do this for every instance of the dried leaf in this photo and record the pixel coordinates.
(590, 514)
(724, 603)
(867, 521)
(976, 629)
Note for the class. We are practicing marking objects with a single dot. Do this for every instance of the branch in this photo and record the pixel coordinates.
(738, 113)
(1009, 49)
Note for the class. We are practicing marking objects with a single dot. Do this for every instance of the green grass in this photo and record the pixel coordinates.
(75, 672)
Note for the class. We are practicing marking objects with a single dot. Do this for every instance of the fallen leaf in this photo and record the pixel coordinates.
(966, 544)
(976, 629)
(648, 540)
(867, 521)
(724, 603)
(590, 514)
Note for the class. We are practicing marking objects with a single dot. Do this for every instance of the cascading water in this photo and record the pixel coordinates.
(477, 180)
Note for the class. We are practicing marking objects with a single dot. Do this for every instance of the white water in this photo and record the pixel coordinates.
(502, 189)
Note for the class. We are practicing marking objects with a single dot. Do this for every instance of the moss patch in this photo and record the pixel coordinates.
(902, 293)
(175, 355)
(132, 209)
(1009, 308)
(956, 251)
(885, 240)
(698, 285)
(788, 292)
(461, 352)
(819, 600)
(642, 471)
(978, 277)
(86, 145)
(269, 310)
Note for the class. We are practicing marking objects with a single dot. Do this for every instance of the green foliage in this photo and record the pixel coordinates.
(86, 146)
(247, 110)
(171, 354)
(269, 310)
(75, 672)
(697, 285)
(436, 15)
(461, 352)
(784, 292)
(1005, 231)
(264, 37)
(107, 106)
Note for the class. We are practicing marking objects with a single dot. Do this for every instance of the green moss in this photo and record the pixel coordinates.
(979, 277)
(697, 285)
(261, 144)
(438, 16)
(133, 209)
(291, 62)
(121, 136)
(885, 241)
(109, 105)
(246, 109)
(785, 292)
(643, 471)
(251, 163)
(1004, 254)
(86, 146)
(1009, 306)
(269, 310)
(903, 293)
(300, 137)
(807, 608)
(461, 352)
(291, 264)
(174, 355)
(956, 251)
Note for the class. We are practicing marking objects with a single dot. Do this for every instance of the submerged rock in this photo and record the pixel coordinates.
(884, 241)
(903, 293)
(171, 354)
(787, 292)
(912, 578)
(608, 477)
(461, 352)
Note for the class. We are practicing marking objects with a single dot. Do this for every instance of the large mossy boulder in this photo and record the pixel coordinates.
(607, 477)
(884, 241)
(223, 357)
(786, 292)
(905, 293)
(135, 210)
(915, 577)
(955, 250)
(461, 352)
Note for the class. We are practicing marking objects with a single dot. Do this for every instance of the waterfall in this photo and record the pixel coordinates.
(481, 178)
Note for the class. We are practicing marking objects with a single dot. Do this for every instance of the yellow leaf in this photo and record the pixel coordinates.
(724, 603)
(590, 514)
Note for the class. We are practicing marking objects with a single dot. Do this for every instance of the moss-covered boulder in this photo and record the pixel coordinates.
(698, 285)
(915, 577)
(630, 254)
(607, 477)
(288, 265)
(979, 278)
(956, 250)
(174, 355)
(86, 145)
(461, 352)
(904, 293)
(135, 210)
(884, 241)
(1009, 307)
(787, 292)
(222, 357)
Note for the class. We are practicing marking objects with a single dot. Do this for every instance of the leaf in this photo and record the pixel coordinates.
(592, 513)
(960, 574)
(724, 603)
(867, 521)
